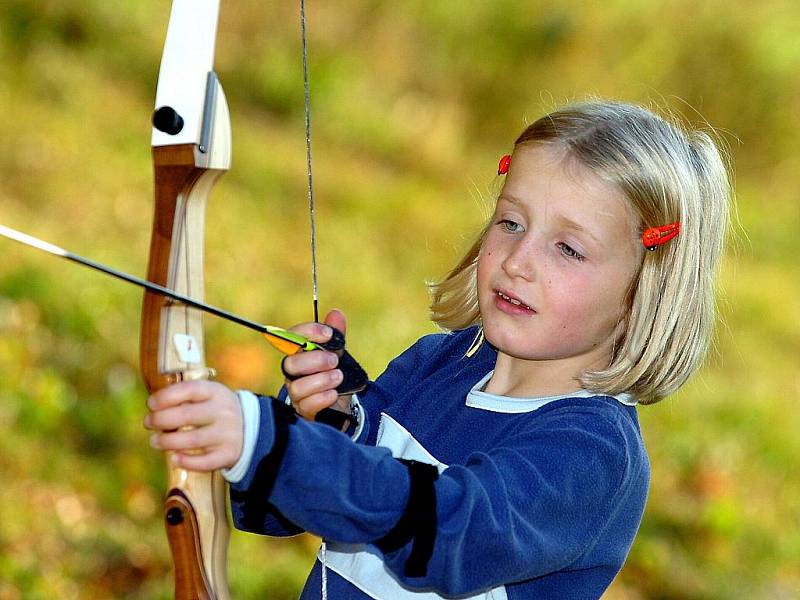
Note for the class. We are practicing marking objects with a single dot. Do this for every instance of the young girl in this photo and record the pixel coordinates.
(503, 459)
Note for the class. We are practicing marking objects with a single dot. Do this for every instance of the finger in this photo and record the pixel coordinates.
(308, 363)
(316, 332)
(179, 393)
(310, 406)
(192, 440)
(210, 461)
(183, 415)
(336, 319)
(314, 384)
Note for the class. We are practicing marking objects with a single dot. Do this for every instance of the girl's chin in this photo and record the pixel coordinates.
(511, 342)
(525, 343)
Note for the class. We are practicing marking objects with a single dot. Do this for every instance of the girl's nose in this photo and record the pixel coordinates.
(520, 262)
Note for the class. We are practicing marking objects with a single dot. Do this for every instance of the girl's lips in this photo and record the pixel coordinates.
(511, 305)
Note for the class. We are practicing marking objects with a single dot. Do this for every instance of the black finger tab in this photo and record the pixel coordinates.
(355, 378)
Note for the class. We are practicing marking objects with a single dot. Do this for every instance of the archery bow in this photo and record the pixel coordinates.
(191, 149)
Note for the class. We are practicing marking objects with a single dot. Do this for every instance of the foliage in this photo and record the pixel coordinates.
(412, 104)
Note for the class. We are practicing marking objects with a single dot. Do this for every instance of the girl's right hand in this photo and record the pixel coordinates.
(315, 374)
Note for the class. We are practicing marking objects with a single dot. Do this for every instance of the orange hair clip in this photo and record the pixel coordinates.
(505, 162)
(655, 236)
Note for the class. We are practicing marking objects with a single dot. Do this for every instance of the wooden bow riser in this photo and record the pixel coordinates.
(195, 509)
(176, 262)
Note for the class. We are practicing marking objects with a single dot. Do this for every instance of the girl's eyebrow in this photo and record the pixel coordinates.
(562, 220)
(509, 198)
(570, 224)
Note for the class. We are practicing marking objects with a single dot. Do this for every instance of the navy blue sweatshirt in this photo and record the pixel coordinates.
(533, 497)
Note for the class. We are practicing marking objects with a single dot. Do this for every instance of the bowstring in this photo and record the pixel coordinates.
(307, 99)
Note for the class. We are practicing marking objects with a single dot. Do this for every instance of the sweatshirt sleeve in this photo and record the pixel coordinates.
(250, 511)
(288, 455)
(532, 506)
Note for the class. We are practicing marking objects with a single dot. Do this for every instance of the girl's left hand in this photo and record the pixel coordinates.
(200, 422)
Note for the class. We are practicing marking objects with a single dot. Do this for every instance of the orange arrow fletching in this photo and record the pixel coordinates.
(286, 341)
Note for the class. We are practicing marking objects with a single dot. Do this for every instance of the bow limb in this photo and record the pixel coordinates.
(191, 150)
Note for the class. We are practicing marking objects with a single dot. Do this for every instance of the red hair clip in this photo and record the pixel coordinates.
(505, 162)
(655, 236)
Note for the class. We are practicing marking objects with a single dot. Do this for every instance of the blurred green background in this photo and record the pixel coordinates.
(413, 103)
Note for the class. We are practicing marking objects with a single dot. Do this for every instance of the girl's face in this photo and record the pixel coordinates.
(556, 263)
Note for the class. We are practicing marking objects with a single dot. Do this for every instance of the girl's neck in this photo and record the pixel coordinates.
(520, 378)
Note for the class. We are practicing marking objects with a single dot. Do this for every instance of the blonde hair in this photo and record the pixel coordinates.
(668, 173)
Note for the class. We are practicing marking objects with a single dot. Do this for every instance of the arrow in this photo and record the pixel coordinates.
(285, 341)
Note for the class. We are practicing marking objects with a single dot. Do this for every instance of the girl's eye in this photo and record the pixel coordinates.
(570, 252)
(510, 226)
